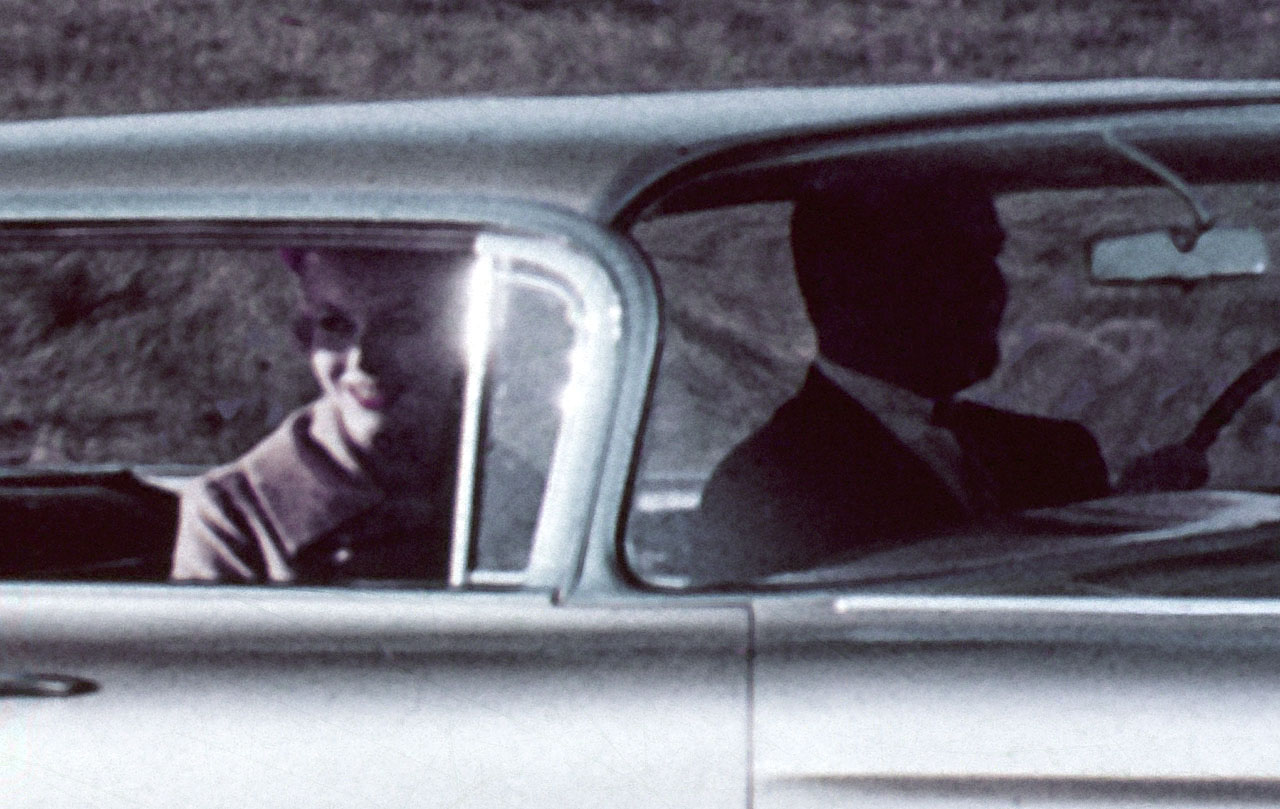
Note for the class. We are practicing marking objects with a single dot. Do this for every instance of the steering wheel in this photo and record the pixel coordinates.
(1229, 402)
(1182, 464)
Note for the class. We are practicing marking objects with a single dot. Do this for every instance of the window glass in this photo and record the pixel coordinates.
(736, 343)
(533, 339)
(1173, 496)
(309, 407)
(144, 356)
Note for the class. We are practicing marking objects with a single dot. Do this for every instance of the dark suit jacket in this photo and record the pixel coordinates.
(824, 479)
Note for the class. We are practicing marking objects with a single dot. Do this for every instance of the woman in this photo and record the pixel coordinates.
(359, 483)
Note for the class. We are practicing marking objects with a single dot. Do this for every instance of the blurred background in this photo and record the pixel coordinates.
(68, 57)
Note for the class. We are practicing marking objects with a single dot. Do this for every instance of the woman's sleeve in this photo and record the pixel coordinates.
(217, 540)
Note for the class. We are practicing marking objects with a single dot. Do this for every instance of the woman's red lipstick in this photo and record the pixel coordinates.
(368, 397)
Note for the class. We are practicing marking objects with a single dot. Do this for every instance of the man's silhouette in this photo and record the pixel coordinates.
(905, 295)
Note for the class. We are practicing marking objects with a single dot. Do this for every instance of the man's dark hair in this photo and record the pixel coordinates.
(371, 259)
(832, 228)
(883, 263)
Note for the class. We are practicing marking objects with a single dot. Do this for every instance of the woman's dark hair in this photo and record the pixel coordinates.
(372, 259)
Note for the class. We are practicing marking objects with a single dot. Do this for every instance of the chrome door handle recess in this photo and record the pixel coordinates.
(44, 685)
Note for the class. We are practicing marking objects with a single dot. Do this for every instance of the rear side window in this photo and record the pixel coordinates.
(285, 407)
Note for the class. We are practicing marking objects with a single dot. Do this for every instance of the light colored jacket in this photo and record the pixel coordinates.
(293, 509)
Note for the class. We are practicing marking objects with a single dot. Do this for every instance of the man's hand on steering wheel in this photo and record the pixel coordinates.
(1173, 467)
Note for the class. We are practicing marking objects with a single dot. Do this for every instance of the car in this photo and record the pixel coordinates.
(632, 317)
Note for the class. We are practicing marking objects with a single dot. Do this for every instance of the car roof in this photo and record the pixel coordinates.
(591, 155)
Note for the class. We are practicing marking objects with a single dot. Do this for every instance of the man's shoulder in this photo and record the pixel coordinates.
(823, 442)
(818, 413)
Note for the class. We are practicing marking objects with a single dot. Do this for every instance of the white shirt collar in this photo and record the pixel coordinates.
(909, 416)
(906, 413)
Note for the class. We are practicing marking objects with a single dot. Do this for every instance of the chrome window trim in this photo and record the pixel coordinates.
(1191, 625)
(597, 318)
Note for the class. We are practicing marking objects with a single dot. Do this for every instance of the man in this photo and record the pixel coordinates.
(905, 295)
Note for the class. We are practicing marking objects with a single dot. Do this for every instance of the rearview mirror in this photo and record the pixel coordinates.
(1220, 252)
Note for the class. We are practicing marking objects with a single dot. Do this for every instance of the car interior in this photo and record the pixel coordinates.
(1142, 304)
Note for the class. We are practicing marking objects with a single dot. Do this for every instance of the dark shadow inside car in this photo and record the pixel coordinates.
(101, 525)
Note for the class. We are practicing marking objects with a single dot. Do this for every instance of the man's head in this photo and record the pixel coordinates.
(385, 331)
(901, 281)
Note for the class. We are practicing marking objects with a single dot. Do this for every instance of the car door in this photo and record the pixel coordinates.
(935, 701)
(206, 697)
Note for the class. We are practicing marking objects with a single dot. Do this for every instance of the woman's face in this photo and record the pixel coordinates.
(385, 334)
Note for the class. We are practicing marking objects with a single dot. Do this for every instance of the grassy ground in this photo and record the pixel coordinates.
(63, 57)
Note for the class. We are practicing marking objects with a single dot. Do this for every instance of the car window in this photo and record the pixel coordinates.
(264, 390)
(1151, 370)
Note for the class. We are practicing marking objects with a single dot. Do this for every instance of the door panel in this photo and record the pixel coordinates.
(1033, 702)
(271, 697)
